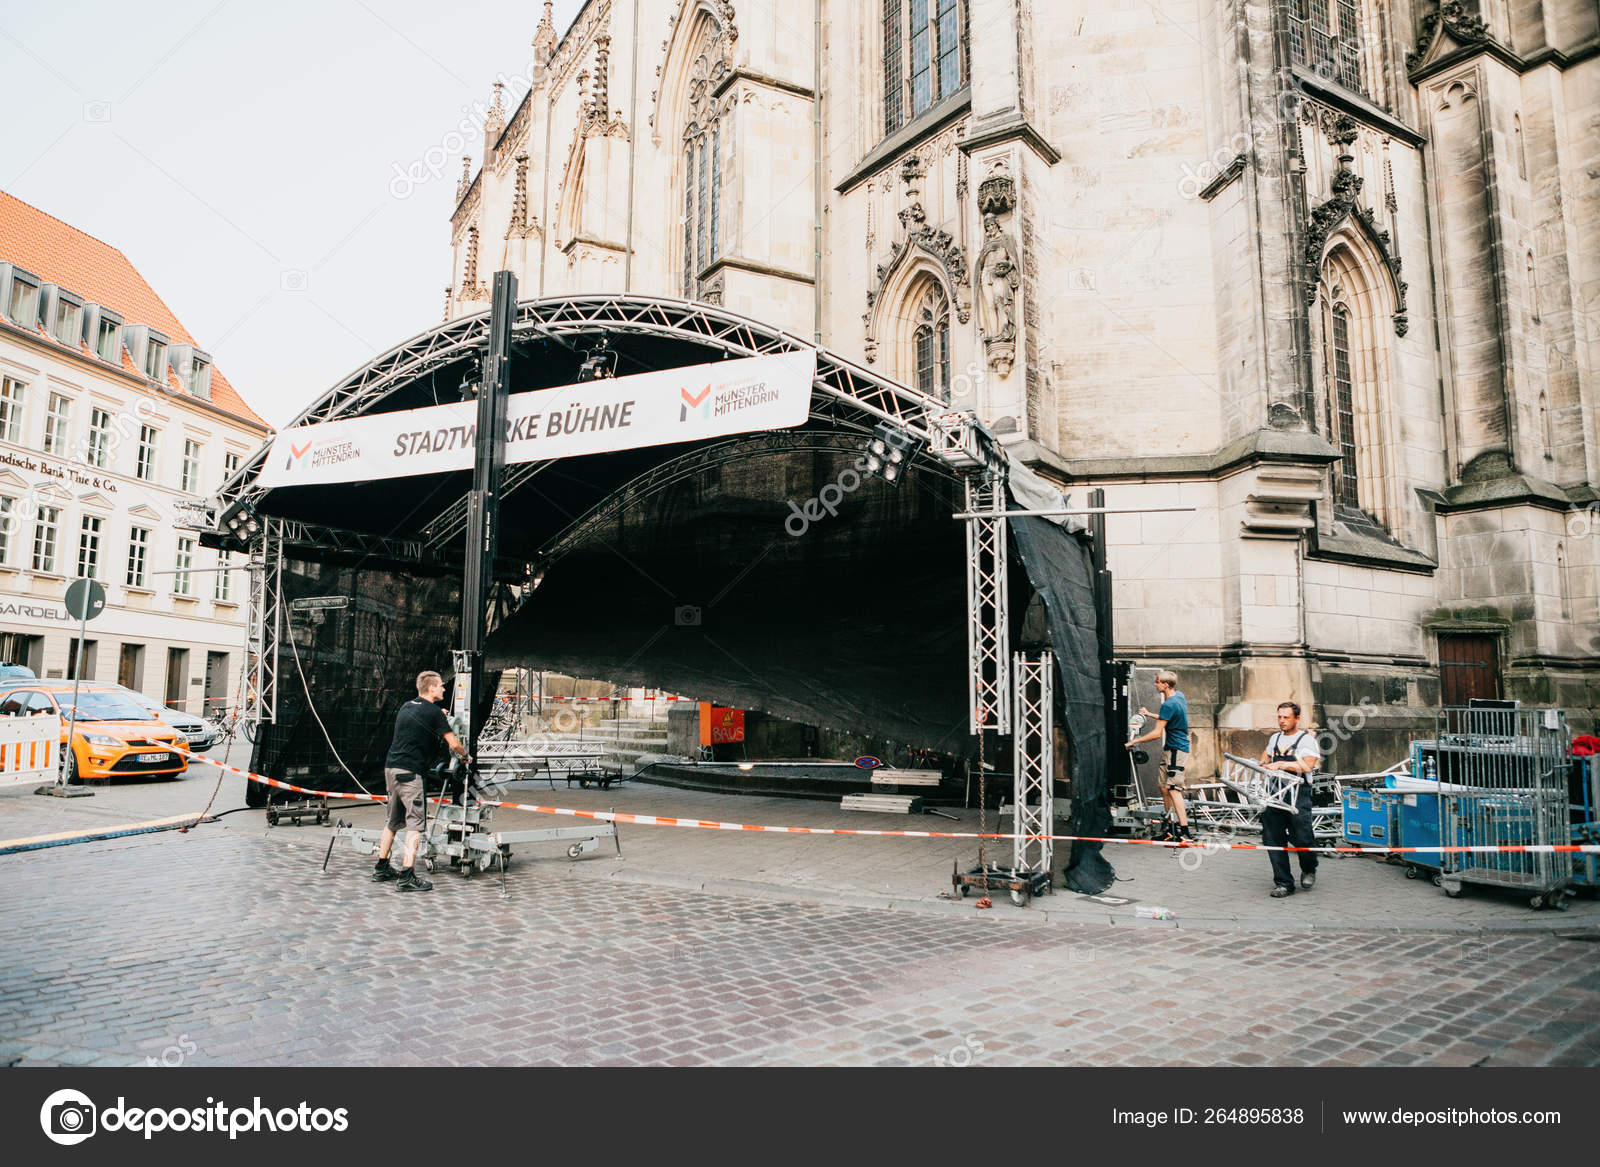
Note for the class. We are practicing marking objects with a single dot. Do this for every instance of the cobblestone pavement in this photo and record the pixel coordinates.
(221, 947)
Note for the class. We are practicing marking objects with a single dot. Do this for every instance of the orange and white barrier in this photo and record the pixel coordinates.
(652, 820)
(29, 747)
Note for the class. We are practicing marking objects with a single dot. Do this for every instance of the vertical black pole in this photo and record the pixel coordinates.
(483, 504)
(1104, 631)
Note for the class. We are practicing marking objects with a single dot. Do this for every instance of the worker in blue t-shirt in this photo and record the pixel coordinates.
(1172, 727)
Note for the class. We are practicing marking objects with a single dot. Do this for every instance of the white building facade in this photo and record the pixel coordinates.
(1325, 271)
(113, 427)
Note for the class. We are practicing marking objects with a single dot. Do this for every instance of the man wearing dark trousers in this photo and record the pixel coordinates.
(419, 730)
(1292, 750)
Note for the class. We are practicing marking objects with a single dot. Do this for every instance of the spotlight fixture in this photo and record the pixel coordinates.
(600, 361)
(889, 452)
(240, 525)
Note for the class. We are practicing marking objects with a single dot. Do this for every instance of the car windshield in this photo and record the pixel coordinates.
(103, 707)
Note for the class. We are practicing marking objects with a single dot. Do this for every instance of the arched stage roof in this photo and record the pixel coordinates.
(684, 566)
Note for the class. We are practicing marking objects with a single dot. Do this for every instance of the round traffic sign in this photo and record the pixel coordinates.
(85, 599)
(868, 762)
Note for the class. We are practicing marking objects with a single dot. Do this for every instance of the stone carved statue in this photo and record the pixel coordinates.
(998, 280)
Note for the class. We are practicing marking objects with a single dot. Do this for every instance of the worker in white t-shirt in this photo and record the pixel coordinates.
(1293, 750)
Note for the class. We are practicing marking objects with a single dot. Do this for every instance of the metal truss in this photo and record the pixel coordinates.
(1033, 761)
(988, 619)
(843, 392)
(322, 538)
(266, 624)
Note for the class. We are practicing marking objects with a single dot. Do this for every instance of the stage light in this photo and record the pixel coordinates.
(889, 452)
(240, 524)
(599, 361)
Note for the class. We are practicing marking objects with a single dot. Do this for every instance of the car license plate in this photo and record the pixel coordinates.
(153, 757)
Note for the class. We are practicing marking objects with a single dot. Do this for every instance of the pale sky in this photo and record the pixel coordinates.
(243, 156)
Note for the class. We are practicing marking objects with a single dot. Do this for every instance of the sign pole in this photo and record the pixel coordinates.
(85, 599)
(77, 679)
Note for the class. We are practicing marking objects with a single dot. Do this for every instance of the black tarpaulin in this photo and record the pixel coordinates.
(1061, 572)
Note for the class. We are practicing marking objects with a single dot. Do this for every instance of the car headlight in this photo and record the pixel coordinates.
(101, 739)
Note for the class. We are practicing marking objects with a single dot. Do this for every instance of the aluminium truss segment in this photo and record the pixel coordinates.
(843, 392)
(1033, 761)
(266, 624)
(988, 621)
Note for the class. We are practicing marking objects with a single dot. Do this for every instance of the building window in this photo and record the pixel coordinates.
(138, 556)
(68, 326)
(99, 447)
(230, 464)
(1521, 147)
(57, 419)
(932, 341)
(108, 344)
(924, 56)
(189, 479)
(8, 523)
(1342, 411)
(144, 465)
(89, 547)
(182, 581)
(24, 304)
(155, 360)
(1325, 35)
(224, 589)
(702, 165)
(1354, 304)
(45, 520)
(11, 391)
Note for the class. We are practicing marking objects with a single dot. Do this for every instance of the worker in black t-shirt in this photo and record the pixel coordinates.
(419, 729)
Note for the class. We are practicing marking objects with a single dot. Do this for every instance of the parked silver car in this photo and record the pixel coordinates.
(198, 733)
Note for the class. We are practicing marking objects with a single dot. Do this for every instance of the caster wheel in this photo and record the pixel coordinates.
(575, 850)
(1452, 892)
(1412, 872)
(272, 818)
(963, 889)
(1019, 898)
(1536, 902)
(1438, 881)
(427, 865)
(583, 784)
(1562, 903)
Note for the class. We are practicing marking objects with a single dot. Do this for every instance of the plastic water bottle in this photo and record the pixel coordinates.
(1152, 913)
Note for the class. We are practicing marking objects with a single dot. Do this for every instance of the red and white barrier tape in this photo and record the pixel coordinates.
(652, 820)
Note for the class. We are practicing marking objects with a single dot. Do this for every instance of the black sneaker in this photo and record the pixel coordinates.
(409, 882)
(383, 872)
(1185, 835)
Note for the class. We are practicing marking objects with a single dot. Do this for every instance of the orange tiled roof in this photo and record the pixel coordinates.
(61, 254)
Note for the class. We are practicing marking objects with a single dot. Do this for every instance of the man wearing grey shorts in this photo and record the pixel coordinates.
(419, 729)
(1172, 730)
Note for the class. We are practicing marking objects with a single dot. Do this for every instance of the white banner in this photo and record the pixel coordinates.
(618, 413)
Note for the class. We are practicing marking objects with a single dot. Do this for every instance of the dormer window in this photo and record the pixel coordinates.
(193, 368)
(105, 334)
(67, 326)
(155, 358)
(22, 298)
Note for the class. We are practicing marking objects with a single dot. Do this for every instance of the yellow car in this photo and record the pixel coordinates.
(111, 735)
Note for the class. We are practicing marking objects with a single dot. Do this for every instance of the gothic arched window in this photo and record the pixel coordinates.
(1355, 372)
(924, 56)
(931, 342)
(702, 163)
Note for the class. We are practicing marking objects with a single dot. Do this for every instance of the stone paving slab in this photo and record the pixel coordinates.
(223, 948)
